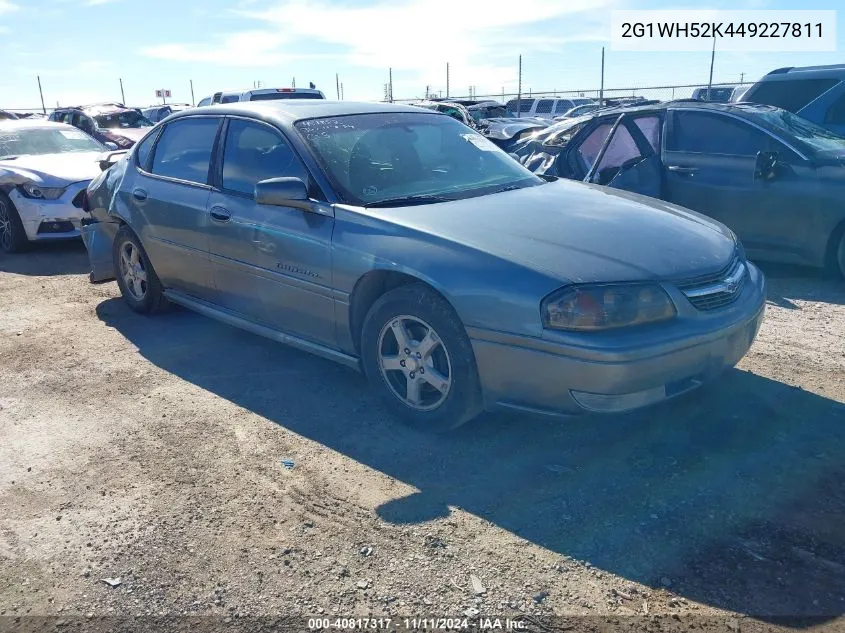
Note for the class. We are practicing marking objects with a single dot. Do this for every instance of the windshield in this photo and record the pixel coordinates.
(817, 137)
(35, 141)
(371, 158)
(491, 112)
(125, 119)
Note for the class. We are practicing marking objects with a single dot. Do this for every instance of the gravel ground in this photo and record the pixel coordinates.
(150, 451)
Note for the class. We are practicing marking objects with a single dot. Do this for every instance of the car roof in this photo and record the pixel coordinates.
(790, 72)
(31, 124)
(288, 111)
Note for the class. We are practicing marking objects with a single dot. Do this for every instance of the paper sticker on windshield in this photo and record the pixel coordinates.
(485, 145)
(74, 135)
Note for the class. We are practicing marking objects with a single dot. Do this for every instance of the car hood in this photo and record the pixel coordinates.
(125, 137)
(579, 233)
(51, 170)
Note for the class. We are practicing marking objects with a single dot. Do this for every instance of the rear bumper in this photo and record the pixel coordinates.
(99, 238)
(549, 378)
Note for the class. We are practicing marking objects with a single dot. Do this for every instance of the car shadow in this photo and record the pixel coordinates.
(788, 283)
(47, 259)
(731, 496)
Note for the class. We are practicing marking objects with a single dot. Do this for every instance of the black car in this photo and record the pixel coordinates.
(106, 122)
(775, 178)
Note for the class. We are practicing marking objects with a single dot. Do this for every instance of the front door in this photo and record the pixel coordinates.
(271, 264)
(710, 167)
(169, 198)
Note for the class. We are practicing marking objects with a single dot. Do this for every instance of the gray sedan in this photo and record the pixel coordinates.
(402, 243)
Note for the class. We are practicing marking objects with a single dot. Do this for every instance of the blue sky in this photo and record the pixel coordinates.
(81, 48)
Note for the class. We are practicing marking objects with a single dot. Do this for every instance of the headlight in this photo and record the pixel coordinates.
(31, 190)
(602, 307)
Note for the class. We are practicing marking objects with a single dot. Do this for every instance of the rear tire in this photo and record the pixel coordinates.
(13, 238)
(418, 357)
(136, 278)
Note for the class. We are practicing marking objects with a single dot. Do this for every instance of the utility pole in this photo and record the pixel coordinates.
(390, 83)
(341, 91)
(43, 108)
(337, 85)
(741, 78)
(122, 96)
(712, 60)
(447, 80)
(519, 90)
(193, 101)
(601, 90)
(293, 83)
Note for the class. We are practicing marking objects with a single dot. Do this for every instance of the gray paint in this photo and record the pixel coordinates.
(292, 273)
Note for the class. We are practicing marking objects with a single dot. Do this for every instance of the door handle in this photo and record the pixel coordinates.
(220, 214)
(139, 194)
(678, 169)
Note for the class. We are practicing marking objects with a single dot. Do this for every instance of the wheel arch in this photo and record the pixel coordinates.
(832, 246)
(375, 283)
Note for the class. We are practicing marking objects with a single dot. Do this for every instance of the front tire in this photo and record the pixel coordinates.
(13, 238)
(416, 354)
(138, 282)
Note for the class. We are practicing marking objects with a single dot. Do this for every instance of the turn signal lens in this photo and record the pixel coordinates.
(602, 307)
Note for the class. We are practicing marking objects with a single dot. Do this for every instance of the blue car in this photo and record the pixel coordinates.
(776, 179)
(400, 242)
(816, 93)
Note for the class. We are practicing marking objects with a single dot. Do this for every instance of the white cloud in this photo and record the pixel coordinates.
(421, 35)
(7, 7)
(246, 48)
(96, 3)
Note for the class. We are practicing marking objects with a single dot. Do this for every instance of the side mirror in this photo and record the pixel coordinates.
(281, 192)
(111, 145)
(766, 165)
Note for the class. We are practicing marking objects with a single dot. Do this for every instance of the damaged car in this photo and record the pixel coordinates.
(774, 178)
(402, 243)
(44, 170)
(106, 122)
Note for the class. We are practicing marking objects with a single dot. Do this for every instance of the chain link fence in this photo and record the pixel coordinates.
(657, 93)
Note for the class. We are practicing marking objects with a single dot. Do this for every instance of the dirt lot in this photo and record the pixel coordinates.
(150, 450)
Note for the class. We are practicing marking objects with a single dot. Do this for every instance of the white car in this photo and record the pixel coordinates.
(44, 170)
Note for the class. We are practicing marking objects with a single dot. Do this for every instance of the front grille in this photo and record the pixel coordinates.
(716, 290)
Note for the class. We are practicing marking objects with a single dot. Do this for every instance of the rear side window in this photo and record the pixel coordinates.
(142, 151)
(836, 112)
(563, 106)
(273, 96)
(255, 152)
(230, 98)
(650, 127)
(544, 106)
(184, 149)
(204, 102)
(790, 95)
(524, 105)
(701, 133)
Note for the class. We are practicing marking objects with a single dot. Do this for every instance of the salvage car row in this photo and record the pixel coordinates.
(406, 244)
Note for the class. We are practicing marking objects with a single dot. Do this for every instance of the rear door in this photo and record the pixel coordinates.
(169, 198)
(710, 162)
(629, 158)
(271, 264)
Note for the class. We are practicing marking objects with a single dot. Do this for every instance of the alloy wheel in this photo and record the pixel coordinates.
(414, 362)
(132, 270)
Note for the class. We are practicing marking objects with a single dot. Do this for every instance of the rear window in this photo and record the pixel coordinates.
(790, 95)
(544, 106)
(272, 96)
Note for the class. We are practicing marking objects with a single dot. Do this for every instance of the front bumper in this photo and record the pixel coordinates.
(99, 239)
(622, 373)
(56, 219)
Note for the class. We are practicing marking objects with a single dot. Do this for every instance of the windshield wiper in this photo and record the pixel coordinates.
(407, 201)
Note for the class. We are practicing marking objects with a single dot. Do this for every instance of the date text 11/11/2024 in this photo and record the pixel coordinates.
(417, 624)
